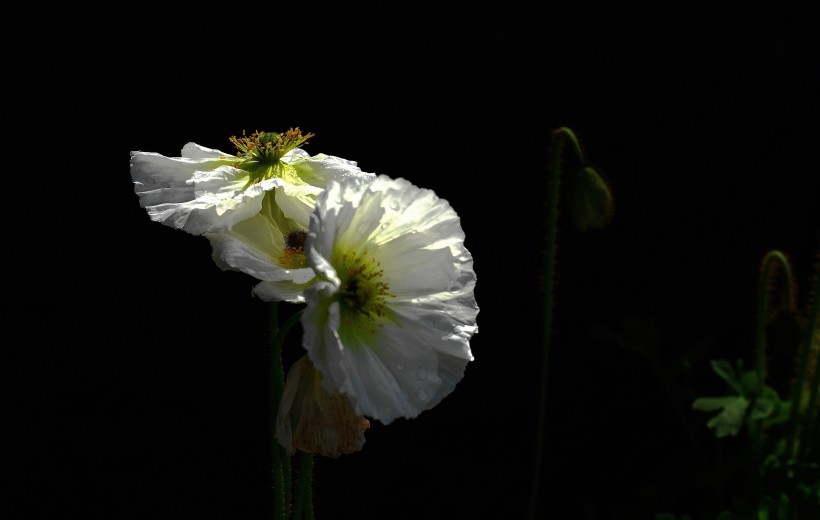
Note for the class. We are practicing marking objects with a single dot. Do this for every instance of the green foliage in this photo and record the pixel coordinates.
(767, 409)
(784, 471)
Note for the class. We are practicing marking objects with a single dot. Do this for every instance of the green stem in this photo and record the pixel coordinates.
(277, 384)
(811, 344)
(561, 137)
(303, 490)
(767, 270)
(281, 460)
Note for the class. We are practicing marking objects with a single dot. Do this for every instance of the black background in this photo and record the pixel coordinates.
(706, 126)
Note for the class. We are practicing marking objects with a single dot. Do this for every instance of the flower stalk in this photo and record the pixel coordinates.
(277, 382)
(281, 460)
(302, 508)
(811, 348)
(591, 208)
(773, 264)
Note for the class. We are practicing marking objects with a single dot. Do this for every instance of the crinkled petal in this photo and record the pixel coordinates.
(202, 192)
(199, 192)
(254, 246)
(298, 198)
(419, 351)
(196, 151)
(320, 169)
(315, 421)
(297, 201)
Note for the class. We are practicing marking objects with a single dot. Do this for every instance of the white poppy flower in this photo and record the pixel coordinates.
(314, 421)
(209, 191)
(390, 319)
(269, 247)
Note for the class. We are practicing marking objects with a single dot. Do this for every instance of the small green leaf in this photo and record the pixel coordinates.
(727, 372)
(710, 404)
(762, 408)
(748, 381)
(730, 420)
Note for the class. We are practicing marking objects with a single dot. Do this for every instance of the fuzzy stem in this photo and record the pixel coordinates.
(284, 329)
(766, 278)
(811, 344)
(281, 460)
(764, 288)
(769, 267)
(561, 137)
(277, 384)
(303, 491)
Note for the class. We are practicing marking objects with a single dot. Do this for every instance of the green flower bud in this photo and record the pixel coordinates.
(590, 201)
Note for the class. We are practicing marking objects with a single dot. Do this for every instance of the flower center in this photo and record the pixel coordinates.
(293, 256)
(363, 294)
(260, 154)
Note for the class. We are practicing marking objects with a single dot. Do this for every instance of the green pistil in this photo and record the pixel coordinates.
(363, 294)
(260, 153)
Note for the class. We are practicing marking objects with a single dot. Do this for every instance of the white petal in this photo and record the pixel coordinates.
(283, 290)
(321, 168)
(419, 354)
(254, 246)
(195, 151)
(200, 193)
(297, 199)
(297, 202)
(284, 424)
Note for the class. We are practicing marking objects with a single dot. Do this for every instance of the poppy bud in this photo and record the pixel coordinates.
(590, 201)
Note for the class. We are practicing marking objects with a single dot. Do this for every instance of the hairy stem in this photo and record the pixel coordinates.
(277, 384)
(281, 460)
(769, 268)
(302, 509)
(811, 345)
(561, 137)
